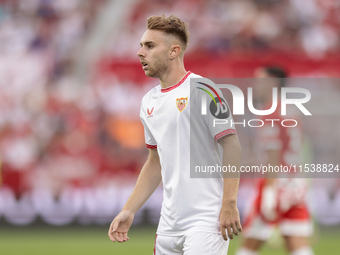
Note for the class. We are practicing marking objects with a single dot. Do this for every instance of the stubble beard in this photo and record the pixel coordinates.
(160, 67)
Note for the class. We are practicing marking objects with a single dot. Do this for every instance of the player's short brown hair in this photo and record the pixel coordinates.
(171, 25)
(276, 72)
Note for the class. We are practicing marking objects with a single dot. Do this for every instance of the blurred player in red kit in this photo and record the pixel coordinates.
(280, 201)
(197, 213)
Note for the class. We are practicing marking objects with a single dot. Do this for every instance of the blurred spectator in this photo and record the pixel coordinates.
(56, 131)
(309, 26)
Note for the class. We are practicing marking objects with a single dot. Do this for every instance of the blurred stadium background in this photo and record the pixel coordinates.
(71, 143)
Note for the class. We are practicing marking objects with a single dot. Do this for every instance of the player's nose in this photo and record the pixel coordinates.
(140, 53)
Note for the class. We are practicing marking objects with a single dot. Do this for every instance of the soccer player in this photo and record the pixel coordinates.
(280, 201)
(198, 215)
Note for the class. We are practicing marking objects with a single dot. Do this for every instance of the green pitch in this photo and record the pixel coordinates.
(94, 240)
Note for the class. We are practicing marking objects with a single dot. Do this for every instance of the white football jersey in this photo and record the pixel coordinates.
(172, 117)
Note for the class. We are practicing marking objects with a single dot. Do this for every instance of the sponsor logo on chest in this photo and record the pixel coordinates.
(150, 111)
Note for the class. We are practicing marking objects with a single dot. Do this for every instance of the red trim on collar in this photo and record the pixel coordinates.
(177, 85)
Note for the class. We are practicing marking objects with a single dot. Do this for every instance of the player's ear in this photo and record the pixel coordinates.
(175, 49)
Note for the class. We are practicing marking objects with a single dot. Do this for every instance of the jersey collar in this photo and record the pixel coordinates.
(177, 85)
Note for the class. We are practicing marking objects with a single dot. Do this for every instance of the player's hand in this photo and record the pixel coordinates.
(120, 226)
(230, 223)
(269, 203)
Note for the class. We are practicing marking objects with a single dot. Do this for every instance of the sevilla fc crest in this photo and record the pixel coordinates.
(181, 103)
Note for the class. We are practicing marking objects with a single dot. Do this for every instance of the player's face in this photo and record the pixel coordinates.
(153, 53)
(264, 86)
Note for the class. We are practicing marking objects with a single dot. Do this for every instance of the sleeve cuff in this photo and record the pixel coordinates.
(154, 147)
(224, 133)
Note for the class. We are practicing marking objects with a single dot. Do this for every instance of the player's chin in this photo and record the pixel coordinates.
(150, 73)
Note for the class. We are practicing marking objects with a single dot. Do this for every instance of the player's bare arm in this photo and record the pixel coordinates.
(229, 216)
(148, 181)
(269, 201)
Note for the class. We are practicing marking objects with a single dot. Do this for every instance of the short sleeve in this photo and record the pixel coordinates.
(218, 116)
(149, 139)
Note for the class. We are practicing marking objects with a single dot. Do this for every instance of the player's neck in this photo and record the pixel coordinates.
(269, 100)
(172, 77)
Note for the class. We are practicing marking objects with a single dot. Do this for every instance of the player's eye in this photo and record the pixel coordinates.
(150, 46)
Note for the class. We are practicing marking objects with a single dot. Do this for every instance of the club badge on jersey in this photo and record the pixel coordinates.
(181, 103)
